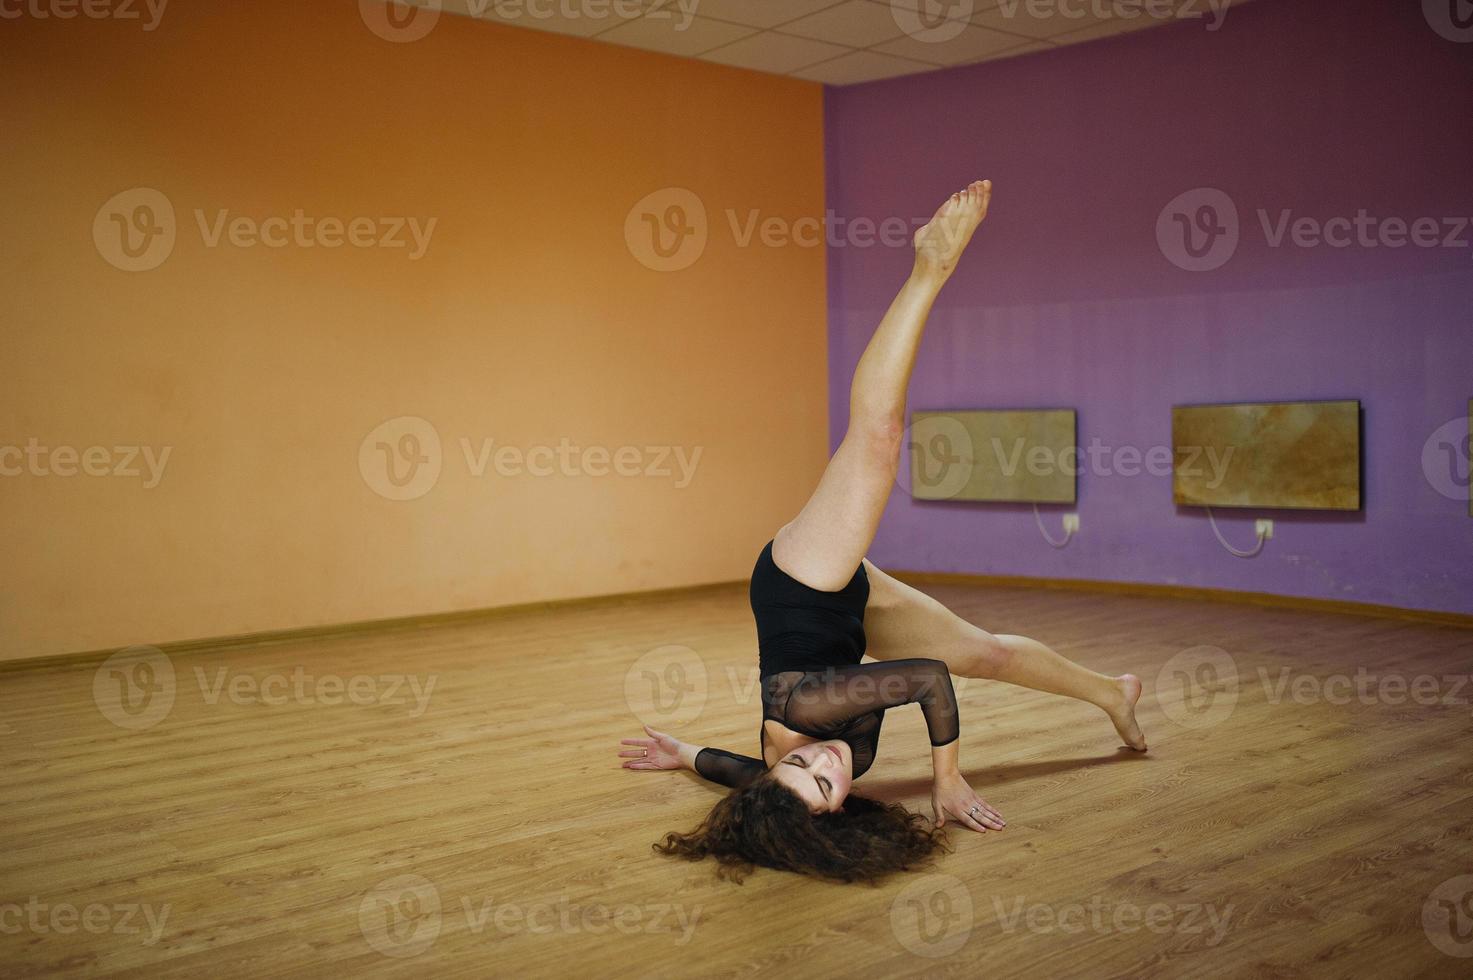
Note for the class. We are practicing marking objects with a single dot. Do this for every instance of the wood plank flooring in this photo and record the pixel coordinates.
(447, 801)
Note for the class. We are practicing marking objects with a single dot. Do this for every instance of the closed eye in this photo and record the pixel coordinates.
(824, 786)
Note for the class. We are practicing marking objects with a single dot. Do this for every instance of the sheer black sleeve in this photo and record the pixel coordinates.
(824, 701)
(728, 768)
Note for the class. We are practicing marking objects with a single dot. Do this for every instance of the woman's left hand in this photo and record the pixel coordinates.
(952, 797)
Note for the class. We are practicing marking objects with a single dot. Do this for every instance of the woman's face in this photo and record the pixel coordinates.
(819, 773)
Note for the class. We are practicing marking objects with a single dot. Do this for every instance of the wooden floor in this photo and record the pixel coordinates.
(260, 829)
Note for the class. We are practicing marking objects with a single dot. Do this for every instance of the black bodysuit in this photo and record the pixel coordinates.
(809, 647)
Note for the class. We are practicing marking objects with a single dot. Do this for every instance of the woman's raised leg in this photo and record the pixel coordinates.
(824, 544)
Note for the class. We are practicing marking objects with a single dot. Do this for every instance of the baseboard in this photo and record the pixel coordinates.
(1149, 589)
(425, 621)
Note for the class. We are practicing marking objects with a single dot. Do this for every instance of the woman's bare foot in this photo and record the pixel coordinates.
(1122, 713)
(939, 243)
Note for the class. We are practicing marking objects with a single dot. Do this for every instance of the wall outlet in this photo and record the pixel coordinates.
(1264, 528)
(1071, 523)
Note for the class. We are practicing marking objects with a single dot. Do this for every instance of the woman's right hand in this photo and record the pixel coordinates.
(952, 797)
(659, 751)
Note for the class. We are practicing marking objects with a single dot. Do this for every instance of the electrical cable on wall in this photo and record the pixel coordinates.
(1262, 537)
(1038, 519)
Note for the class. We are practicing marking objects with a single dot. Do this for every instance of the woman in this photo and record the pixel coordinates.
(820, 606)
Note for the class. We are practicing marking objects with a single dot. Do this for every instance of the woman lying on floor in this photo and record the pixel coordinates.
(820, 606)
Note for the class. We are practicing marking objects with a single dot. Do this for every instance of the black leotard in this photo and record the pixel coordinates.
(809, 647)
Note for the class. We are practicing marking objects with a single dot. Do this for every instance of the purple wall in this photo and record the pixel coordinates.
(1067, 299)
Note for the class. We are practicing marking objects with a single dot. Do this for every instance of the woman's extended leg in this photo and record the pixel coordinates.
(824, 544)
(901, 621)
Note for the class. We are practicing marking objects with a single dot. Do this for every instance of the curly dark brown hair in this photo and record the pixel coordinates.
(765, 823)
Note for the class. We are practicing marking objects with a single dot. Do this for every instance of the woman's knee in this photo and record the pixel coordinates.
(987, 655)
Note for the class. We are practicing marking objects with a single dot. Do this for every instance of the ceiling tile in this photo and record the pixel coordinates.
(815, 39)
(856, 23)
(779, 53)
(673, 32)
(559, 18)
(935, 9)
(950, 44)
(861, 66)
(759, 13)
(1018, 17)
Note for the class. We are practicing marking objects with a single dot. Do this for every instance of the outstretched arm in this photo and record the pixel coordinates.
(662, 751)
(727, 768)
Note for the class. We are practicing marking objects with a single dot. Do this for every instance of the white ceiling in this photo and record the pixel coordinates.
(840, 42)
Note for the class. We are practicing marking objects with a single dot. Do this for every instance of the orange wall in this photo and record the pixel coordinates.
(527, 321)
